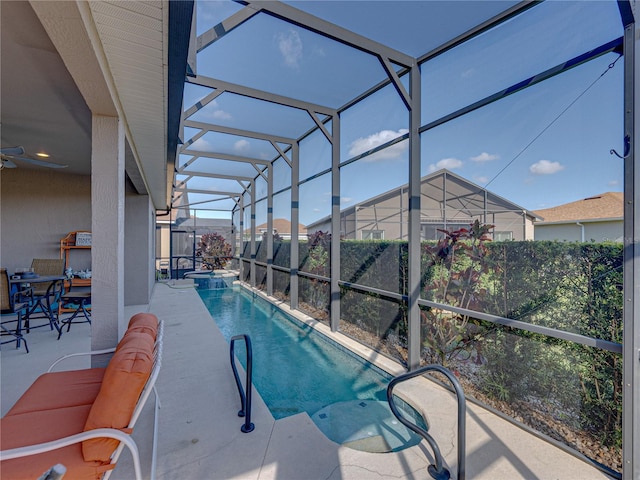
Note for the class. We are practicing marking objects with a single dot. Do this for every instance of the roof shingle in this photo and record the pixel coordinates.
(605, 205)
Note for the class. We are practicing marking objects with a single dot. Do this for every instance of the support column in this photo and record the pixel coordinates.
(334, 271)
(295, 221)
(139, 249)
(252, 226)
(107, 226)
(631, 333)
(240, 234)
(269, 230)
(414, 266)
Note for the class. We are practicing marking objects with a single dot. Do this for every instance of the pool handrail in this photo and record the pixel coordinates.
(245, 399)
(437, 471)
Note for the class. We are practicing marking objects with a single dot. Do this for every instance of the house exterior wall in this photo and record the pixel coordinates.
(609, 230)
(510, 225)
(529, 229)
(447, 203)
(356, 225)
(388, 220)
(163, 242)
(37, 209)
(604, 231)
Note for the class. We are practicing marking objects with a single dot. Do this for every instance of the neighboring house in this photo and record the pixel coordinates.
(593, 219)
(448, 202)
(281, 226)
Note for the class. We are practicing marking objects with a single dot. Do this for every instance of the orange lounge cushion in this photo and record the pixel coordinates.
(31, 428)
(143, 322)
(60, 389)
(124, 379)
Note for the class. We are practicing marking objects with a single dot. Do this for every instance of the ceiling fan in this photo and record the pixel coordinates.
(7, 155)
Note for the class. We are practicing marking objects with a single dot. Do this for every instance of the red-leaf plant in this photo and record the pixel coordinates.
(214, 250)
(459, 260)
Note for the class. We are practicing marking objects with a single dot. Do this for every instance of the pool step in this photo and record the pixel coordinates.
(365, 425)
(375, 444)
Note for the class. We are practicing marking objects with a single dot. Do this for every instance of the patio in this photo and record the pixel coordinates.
(199, 430)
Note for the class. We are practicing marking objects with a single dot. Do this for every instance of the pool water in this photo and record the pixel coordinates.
(296, 369)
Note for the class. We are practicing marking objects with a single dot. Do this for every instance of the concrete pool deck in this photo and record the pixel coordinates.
(199, 430)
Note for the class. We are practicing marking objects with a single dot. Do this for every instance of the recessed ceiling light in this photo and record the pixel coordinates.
(43, 155)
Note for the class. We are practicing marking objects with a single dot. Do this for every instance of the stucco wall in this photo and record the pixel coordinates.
(139, 250)
(37, 209)
(593, 231)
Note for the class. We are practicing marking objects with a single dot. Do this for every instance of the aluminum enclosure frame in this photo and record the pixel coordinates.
(412, 101)
(631, 333)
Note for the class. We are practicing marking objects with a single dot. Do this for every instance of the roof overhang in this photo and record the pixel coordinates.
(64, 62)
(578, 222)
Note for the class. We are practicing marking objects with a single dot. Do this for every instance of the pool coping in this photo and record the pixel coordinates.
(387, 364)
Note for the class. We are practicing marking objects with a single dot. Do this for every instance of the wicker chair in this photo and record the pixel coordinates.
(9, 309)
(45, 267)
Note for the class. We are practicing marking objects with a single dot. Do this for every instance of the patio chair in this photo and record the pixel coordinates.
(46, 267)
(9, 308)
(46, 307)
(46, 295)
(80, 300)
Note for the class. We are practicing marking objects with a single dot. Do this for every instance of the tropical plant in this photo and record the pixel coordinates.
(459, 261)
(318, 264)
(214, 251)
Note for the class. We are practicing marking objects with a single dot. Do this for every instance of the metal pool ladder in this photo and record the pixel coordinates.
(245, 400)
(437, 471)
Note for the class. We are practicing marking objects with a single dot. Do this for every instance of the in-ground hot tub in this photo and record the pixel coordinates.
(212, 279)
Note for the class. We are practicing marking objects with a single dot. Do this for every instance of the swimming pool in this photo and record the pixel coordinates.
(297, 369)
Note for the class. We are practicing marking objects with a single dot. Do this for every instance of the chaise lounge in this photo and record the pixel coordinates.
(82, 419)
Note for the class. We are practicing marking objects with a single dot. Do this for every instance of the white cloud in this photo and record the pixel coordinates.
(481, 179)
(319, 51)
(221, 115)
(468, 73)
(545, 167)
(485, 157)
(201, 145)
(242, 146)
(290, 46)
(364, 144)
(613, 183)
(213, 112)
(448, 163)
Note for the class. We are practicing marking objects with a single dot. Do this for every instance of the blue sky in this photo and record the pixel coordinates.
(538, 148)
